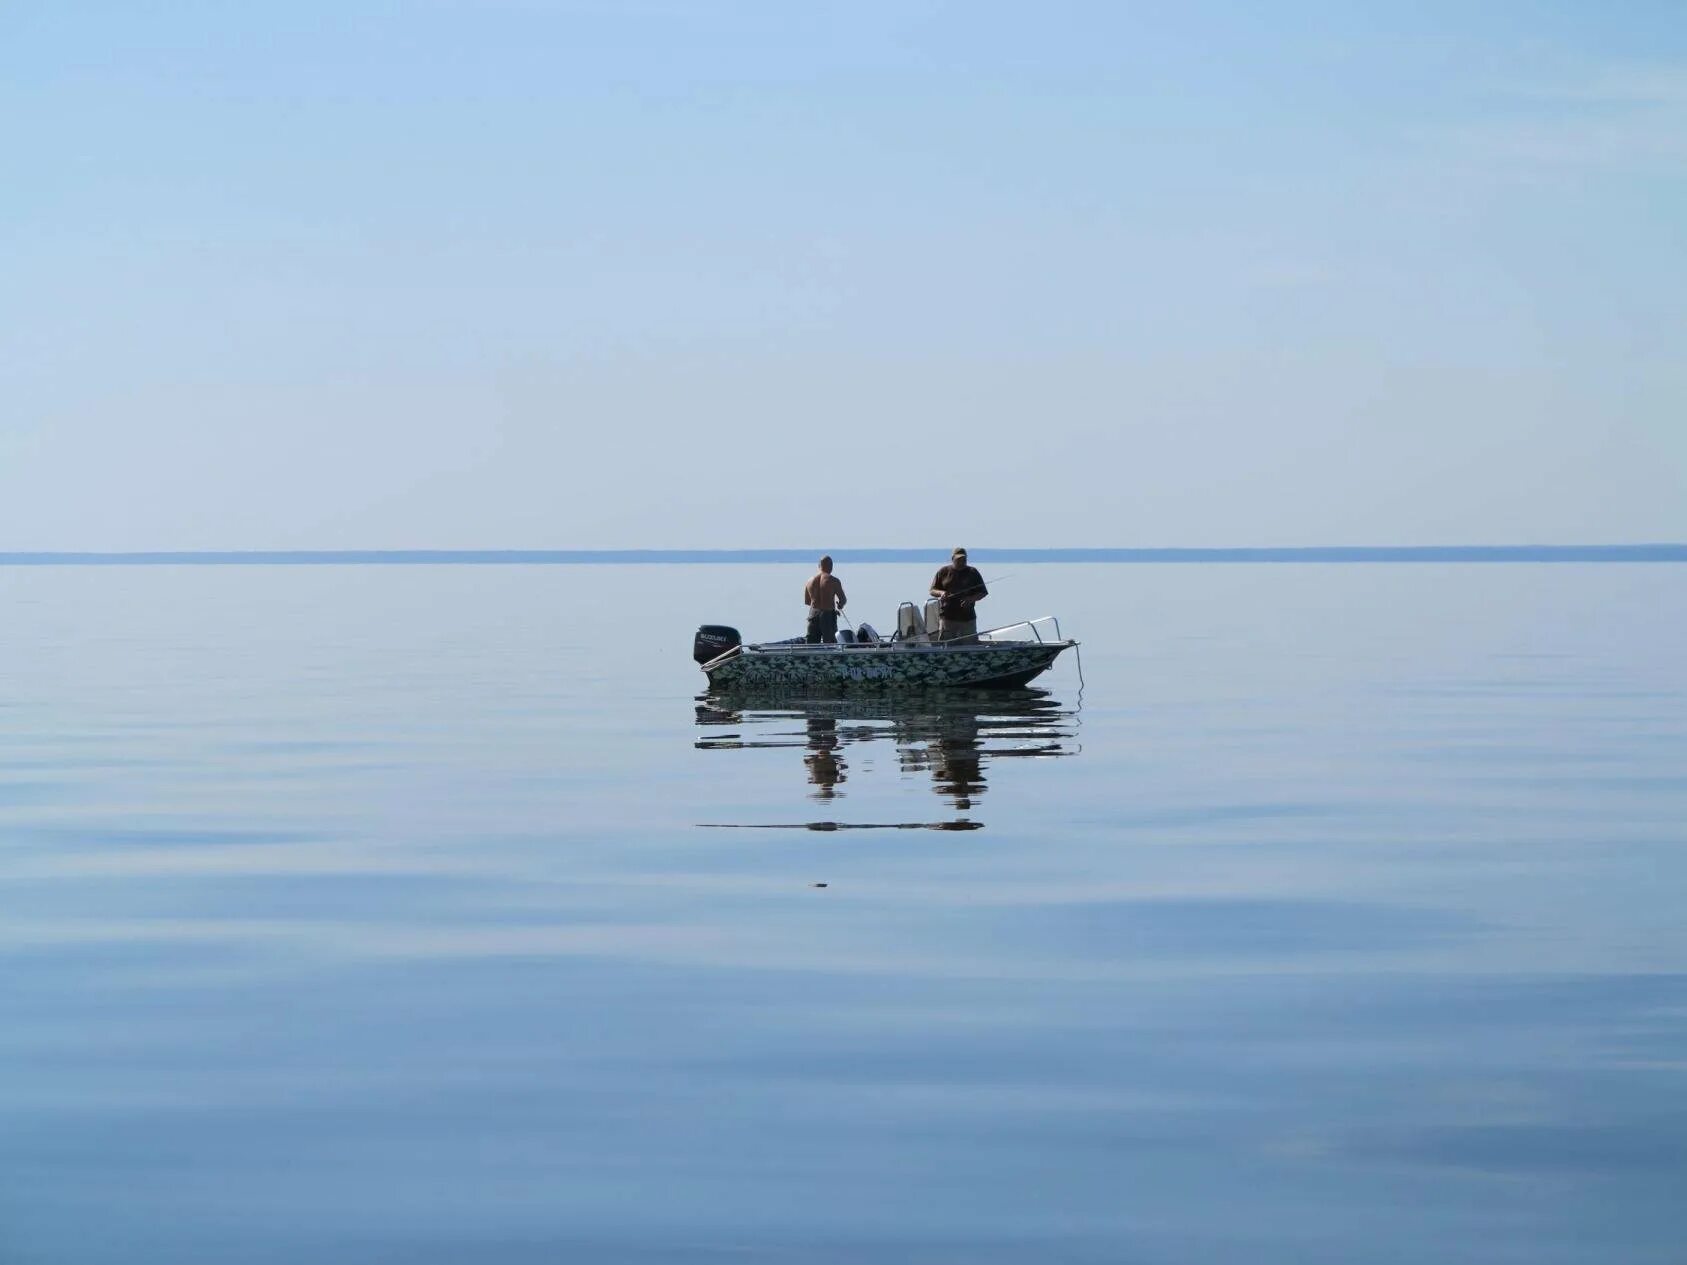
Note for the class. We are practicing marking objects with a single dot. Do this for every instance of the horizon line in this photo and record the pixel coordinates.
(1652, 552)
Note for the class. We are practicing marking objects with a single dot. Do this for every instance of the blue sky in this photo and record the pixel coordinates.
(521, 273)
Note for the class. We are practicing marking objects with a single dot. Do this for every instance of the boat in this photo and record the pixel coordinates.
(913, 657)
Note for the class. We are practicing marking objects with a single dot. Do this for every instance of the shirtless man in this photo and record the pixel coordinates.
(824, 597)
(960, 586)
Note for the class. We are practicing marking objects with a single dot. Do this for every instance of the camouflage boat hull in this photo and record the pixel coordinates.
(989, 665)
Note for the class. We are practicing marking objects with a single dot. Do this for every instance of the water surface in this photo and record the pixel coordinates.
(434, 914)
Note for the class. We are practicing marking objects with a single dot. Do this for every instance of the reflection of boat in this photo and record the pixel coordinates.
(952, 735)
(1001, 658)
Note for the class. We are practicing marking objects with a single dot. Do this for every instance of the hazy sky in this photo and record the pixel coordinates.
(528, 273)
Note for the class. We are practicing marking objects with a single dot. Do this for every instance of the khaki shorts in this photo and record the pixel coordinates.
(957, 629)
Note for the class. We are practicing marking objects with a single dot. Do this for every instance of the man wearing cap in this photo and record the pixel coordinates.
(960, 587)
(824, 597)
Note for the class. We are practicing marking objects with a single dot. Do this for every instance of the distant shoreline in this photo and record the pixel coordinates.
(552, 557)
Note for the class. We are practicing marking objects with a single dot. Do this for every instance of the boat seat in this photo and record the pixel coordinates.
(910, 624)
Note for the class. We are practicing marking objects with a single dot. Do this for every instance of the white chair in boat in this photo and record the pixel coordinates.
(933, 618)
(910, 624)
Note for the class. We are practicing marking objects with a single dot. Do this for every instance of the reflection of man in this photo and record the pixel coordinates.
(960, 587)
(825, 769)
(824, 596)
(958, 773)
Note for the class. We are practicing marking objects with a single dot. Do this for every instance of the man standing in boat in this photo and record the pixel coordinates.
(824, 597)
(960, 587)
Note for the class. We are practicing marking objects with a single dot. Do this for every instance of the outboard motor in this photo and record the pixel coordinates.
(714, 640)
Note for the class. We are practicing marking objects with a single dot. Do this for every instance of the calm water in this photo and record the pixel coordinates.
(428, 915)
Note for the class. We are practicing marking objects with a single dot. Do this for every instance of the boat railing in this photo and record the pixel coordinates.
(1043, 629)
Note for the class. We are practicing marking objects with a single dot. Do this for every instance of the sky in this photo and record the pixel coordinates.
(661, 274)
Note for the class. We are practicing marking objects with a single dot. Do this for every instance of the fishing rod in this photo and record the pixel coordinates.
(973, 588)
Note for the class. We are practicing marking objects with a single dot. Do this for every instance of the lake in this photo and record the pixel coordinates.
(427, 914)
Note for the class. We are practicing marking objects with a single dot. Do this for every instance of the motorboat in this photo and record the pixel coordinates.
(914, 656)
